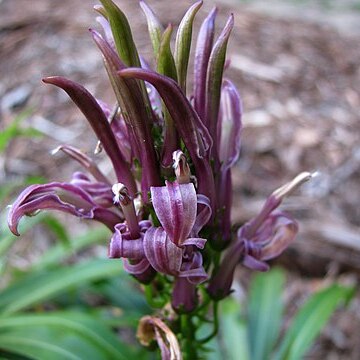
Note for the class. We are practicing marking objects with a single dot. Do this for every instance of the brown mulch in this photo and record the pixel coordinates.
(300, 85)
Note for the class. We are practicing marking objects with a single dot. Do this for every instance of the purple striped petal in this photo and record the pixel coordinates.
(123, 246)
(203, 215)
(192, 268)
(163, 255)
(137, 268)
(198, 242)
(175, 206)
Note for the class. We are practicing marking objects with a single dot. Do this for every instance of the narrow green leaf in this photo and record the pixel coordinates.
(63, 251)
(15, 129)
(89, 330)
(38, 287)
(233, 331)
(7, 188)
(309, 321)
(122, 34)
(35, 348)
(165, 60)
(183, 43)
(154, 26)
(265, 310)
(59, 230)
(8, 238)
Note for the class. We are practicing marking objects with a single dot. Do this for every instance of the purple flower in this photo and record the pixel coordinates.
(63, 197)
(127, 241)
(172, 248)
(269, 240)
(262, 238)
(124, 245)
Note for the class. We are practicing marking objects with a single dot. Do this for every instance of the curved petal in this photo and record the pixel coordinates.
(73, 200)
(203, 215)
(198, 242)
(136, 268)
(284, 232)
(84, 160)
(175, 207)
(192, 268)
(100, 192)
(255, 264)
(58, 196)
(121, 245)
(194, 276)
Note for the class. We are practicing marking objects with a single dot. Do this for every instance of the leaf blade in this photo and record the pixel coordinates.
(264, 313)
(38, 287)
(309, 321)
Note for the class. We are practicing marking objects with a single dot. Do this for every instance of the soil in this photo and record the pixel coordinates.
(300, 86)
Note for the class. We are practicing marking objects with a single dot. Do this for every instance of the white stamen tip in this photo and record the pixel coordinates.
(55, 151)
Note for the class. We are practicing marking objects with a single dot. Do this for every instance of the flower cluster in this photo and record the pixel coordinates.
(172, 155)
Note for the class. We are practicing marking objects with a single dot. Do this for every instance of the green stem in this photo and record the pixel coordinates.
(152, 300)
(188, 331)
(216, 325)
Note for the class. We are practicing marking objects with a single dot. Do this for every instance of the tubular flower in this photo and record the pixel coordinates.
(172, 248)
(262, 238)
(63, 197)
(127, 241)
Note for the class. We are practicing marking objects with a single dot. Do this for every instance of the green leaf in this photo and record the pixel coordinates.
(8, 238)
(15, 129)
(8, 187)
(38, 287)
(63, 251)
(126, 47)
(265, 310)
(233, 331)
(35, 348)
(309, 321)
(122, 34)
(80, 334)
(165, 60)
(154, 26)
(183, 43)
(134, 300)
(58, 229)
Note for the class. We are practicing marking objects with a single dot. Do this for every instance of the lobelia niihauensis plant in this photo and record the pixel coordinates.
(169, 208)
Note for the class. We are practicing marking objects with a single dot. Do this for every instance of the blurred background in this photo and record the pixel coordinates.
(296, 64)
